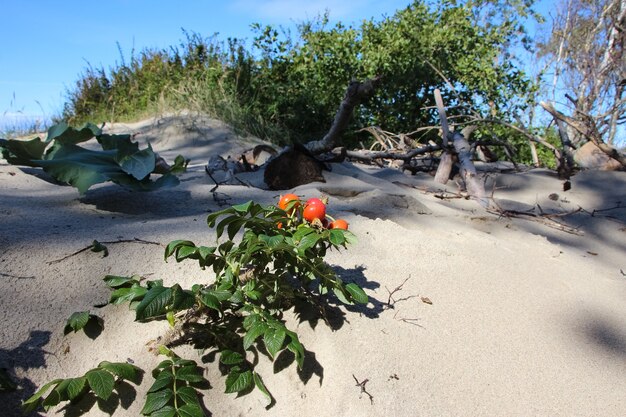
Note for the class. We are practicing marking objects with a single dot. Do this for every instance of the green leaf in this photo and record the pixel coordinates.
(337, 237)
(64, 134)
(6, 383)
(308, 241)
(210, 301)
(32, 403)
(191, 410)
(167, 411)
(124, 294)
(138, 164)
(238, 381)
(339, 292)
(75, 387)
(99, 247)
(302, 232)
(77, 321)
(184, 252)
(174, 245)
(258, 381)
(122, 370)
(296, 348)
(228, 357)
(22, 152)
(189, 374)
(164, 379)
(154, 302)
(188, 395)
(243, 208)
(251, 335)
(101, 383)
(224, 223)
(357, 293)
(114, 281)
(234, 227)
(273, 340)
(156, 400)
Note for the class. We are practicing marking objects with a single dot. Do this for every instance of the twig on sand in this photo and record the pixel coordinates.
(392, 301)
(409, 320)
(363, 390)
(95, 244)
(543, 218)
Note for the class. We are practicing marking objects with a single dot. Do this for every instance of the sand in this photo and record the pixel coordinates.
(497, 316)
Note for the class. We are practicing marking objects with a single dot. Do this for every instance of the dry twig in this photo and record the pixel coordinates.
(93, 245)
(363, 390)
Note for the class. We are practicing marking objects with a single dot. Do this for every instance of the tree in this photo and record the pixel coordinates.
(586, 53)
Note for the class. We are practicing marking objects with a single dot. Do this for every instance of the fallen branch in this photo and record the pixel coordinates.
(357, 91)
(371, 155)
(544, 219)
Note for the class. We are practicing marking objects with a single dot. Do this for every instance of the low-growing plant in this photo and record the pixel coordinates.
(277, 263)
(120, 160)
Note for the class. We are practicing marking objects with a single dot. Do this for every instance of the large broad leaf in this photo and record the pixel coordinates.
(79, 167)
(22, 152)
(238, 381)
(63, 134)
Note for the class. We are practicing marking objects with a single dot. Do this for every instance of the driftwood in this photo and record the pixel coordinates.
(587, 129)
(298, 165)
(463, 152)
(356, 93)
(292, 167)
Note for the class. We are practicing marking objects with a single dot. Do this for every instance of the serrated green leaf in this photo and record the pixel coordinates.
(115, 281)
(33, 402)
(238, 381)
(273, 340)
(256, 330)
(165, 378)
(210, 301)
(228, 357)
(234, 227)
(250, 320)
(184, 252)
(122, 370)
(125, 294)
(258, 381)
(182, 299)
(243, 208)
(75, 387)
(189, 374)
(337, 237)
(219, 230)
(154, 302)
(156, 401)
(77, 321)
(175, 244)
(296, 348)
(357, 293)
(188, 395)
(308, 241)
(191, 410)
(167, 411)
(101, 383)
(302, 232)
(351, 238)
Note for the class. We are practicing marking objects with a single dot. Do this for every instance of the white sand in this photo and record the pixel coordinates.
(525, 319)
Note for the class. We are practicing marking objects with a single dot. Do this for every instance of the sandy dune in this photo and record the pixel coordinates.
(525, 320)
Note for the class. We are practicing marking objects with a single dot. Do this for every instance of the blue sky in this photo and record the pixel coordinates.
(47, 44)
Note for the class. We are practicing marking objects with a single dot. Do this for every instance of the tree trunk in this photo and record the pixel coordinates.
(356, 93)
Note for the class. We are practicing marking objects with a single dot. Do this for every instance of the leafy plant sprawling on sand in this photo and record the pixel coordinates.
(99, 381)
(277, 264)
(120, 159)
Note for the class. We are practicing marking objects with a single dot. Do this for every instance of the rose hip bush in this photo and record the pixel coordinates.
(271, 260)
